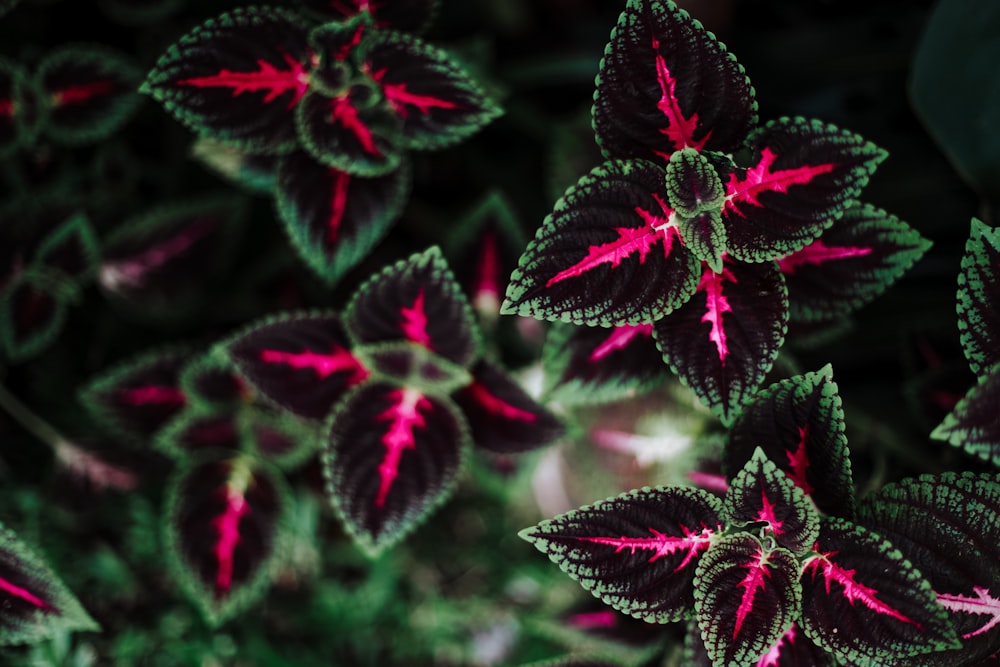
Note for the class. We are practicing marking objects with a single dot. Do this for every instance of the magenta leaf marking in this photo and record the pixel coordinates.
(414, 322)
(151, 394)
(227, 526)
(344, 112)
(7, 108)
(766, 513)
(709, 481)
(403, 417)
(761, 179)
(353, 7)
(662, 544)
(630, 240)
(679, 130)
(716, 304)
(757, 572)
(619, 338)
(983, 603)
(817, 253)
(338, 361)
(773, 656)
(338, 202)
(82, 92)
(853, 590)
(593, 619)
(497, 406)
(276, 82)
(23, 594)
(400, 98)
(799, 461)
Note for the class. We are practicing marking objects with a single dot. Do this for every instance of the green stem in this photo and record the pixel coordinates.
(31, 422)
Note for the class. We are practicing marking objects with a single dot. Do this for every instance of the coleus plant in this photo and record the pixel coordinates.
(402, 389)
(333, 106)
(974, 424)
(782, 569)
(700, 224)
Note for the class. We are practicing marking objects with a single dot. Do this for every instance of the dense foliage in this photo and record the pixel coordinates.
(320, 318)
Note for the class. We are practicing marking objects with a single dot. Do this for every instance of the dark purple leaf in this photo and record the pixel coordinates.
(237, 77)
(437, 101)
(160, 263)
(974, 424)
(979, 298)
(865, 603)
(799, 423)
(34, 602)
(392, 455)
(483, 248)
(138, 396)
(30, 319)
(354, 130)
(222, 526)
(71, 249)
(636, 552)
(301, 362)
(666, 83)
(948, 526)
(416, 300)
(502, 416)
(762, 495)
(90, 92)
(335, 219)
(607, 255)
(746, 597)
(411, 16)
(804, 176)
(723, 341)
(19, 118)
(852, 263)
(595, 364)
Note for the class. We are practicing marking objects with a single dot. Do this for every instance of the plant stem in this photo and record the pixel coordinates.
(31, 422)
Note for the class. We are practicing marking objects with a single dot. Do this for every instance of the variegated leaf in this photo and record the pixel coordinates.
(89, 91)
(223, 530)
(392, 455)
(417, 300)
(850, 264)
(236, 78)
(723, 341)
(437, 101)
(948, 526)
(799, 423)
(979, 298)
(636, 552)
(746, 597)
(334, 219)
(595, 364)
(974, 423)
(502, 417)
(666, 83)
(34, 603)
(609, 254)
(762, 495)
(864, 602)
(804, 175)
(300, 361)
